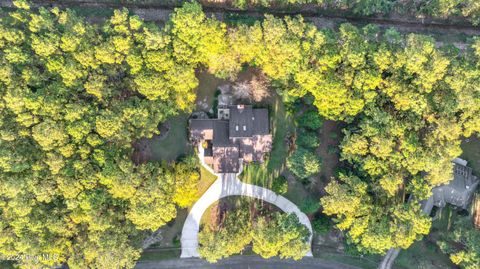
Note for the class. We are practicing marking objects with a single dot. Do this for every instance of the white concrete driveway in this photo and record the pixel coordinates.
(230, 185)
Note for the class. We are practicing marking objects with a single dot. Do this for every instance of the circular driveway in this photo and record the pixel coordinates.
(229, 185)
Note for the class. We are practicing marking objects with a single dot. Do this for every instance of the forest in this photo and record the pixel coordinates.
(75, 96)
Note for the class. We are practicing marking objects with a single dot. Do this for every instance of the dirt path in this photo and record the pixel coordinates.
(159, 12)
(329, 135)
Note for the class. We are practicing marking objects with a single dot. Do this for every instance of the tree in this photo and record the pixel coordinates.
(373, 227)
(187, 177)
(280, 185)
(462, 244)
(73, 98)
(311, 120)
(230, 238)
(303, 163)
(281, 235)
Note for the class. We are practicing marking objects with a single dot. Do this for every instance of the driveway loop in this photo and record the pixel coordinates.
(229, 185)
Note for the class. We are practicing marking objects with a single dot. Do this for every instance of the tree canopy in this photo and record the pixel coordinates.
(74, 96)
(271, 234)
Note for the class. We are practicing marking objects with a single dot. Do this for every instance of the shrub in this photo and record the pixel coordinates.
(311, 120)
(321, 224)
(303, 163)
(307, 139)
(332, 149)
(310, 205)
(280, 185)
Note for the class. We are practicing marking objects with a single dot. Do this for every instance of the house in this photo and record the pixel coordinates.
(458, 192)
(239, 133)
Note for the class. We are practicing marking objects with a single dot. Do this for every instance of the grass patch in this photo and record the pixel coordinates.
(471, 153)
(160, 254)
(206, 180)
(257, 174)
(361, 262)
(176, 144)
(422, 254)
(307, 200)
(209, 216)
(444, 221)
(282, 125)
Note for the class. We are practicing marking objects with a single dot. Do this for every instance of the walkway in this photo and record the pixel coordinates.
(229, 185)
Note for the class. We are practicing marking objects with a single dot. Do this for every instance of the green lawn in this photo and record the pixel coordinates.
(471, 153)
(160, 254)
(365, 263)
(175, 145)
(423, 254)
(306, 199)
(206, 179)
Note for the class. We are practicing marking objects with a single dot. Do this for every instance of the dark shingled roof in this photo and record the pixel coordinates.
(220, 133)
(244, 135)
(260, 121)
(241, 124)
(197, 126)
(201, 124)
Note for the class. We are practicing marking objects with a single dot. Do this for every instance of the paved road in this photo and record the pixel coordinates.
(229, 185)
(244, 262)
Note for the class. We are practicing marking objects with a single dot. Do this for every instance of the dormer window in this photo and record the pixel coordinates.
(236, 127)
(244, 128)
